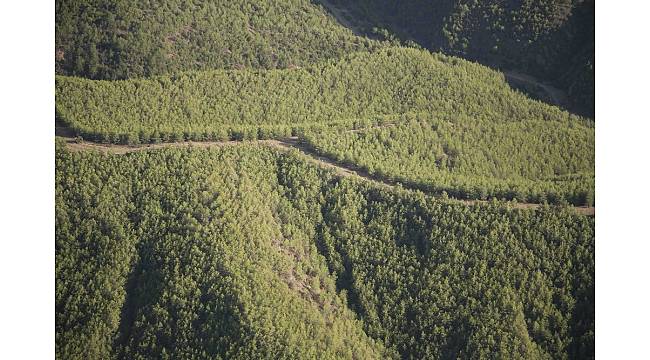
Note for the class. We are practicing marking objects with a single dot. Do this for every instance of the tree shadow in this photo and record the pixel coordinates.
(350, 16)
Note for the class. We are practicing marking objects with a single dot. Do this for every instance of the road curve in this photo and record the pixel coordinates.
(285, 144)
(557, 96)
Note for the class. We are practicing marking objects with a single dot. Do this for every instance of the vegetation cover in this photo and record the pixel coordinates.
(551, 39)
(119, 39)
(473, 158)
(248, 252)
(259, 104)
(244, 251)
(194, 254)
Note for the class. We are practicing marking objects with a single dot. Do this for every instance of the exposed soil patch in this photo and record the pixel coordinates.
(297, 282)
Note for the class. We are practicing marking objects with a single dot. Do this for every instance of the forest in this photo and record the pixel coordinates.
(458, 127)
(235, 249)
(190, 253)
(550, 39)
(120, 39)
(222, 104)
(117, 39)
(531, 161)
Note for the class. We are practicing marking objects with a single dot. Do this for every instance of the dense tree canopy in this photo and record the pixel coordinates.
(194, 254)
(246, 252)
(270, 103)
(527, 160)
(460, 128)
(551, 39)
(118, 39)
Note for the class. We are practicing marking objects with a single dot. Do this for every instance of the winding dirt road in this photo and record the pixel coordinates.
(285, 144)
(557, 96)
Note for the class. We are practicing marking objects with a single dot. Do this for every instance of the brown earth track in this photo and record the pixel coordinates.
(557, 96)
(285, 144)
(73, 145)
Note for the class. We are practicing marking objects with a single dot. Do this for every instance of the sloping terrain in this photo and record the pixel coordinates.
(252, 179)
(165, 254)
(242, 251)
(118, 39)
(534, 161)
(255, 104)
(500, 144)
(550, 39)
(288, 144)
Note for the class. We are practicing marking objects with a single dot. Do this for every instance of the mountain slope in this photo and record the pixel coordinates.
(244, 252)
(120, 39)
(472, 158)
(204, 256)
(550, 39)
(476, 138)
(391, 81)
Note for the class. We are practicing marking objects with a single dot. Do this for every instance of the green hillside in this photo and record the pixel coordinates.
(460, 128)
(194, 254)
(213, 104)
(117, 39)
(473, 158)
(246, 252)
(551, 39)
(255, 250)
